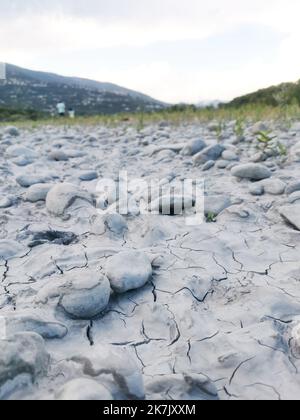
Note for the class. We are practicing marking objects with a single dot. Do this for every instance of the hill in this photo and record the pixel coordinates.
(283, 94)
(27, 89)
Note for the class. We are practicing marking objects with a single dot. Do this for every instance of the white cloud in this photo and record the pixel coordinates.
(147, 22)
(32, 30)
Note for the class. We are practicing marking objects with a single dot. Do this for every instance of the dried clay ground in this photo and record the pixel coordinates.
(95, 305)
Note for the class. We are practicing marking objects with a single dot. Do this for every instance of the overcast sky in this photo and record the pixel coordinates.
(174, 50)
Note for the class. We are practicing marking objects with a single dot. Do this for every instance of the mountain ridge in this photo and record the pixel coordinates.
(276, 95)
(43, 90)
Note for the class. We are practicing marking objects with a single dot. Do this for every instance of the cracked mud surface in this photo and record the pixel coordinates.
(217, 318)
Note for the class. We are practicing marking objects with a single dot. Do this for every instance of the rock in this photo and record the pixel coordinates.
(231, 165)
(293, 187)
(193, 147)
(293, 198)
(85, 295)
(115, 223)
(213, 126)
(23, 161)
(256, 189)
(229, 155)
(182, 387)
(58, 156)
(291, 214)
(238, 139)
(21, 354)
(273, 186)
(165, 156)
(21, 151)
(208, 165)
(214, 205)
(128, 270)
(37, 192)
(209, 153)
(271, 165)
(83, 390)
(222, 164)
(253, 171)
(49, 330)
(62, 196)
(73, 154)
(26, 181)
(5, 203)
(88, 176)
(12, 131)
(259, 157)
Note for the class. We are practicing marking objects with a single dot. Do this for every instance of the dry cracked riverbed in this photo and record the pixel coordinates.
(95, 305)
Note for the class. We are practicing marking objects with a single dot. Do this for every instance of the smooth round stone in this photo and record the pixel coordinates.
(208, 165)
(37, 192)
(73, 154)
(128, 270)
(27, 181)
(165, 156)
(62, 196)
(231, 165)
(88, 295)
(58, 156)
(252, 171)
(5, 203)
(213, 126)
(23, 161)
(88, 176)
(21, 151)
(209, 153)
(84, 390)
(193, 147)
(274, 186)
(293, 198)
(49, 330)
(229, 155)
(256, 190)
(271, 165)
(12, 131)
(222, 164)
(259, 157)
(293, 187)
